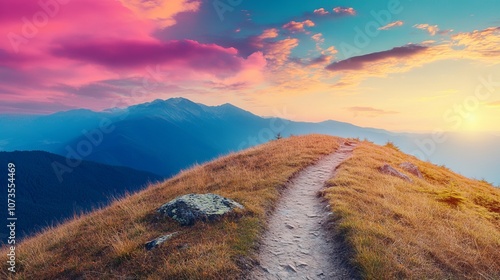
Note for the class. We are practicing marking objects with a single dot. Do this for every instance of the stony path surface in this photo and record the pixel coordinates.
(296, 245)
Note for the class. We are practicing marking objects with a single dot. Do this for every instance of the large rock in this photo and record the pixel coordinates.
(412, 168)
(188, 209)
(387, 169)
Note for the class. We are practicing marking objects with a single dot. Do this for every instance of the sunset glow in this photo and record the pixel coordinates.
(397, 65)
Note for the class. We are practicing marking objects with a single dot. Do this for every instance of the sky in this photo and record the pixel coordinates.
(400, 65)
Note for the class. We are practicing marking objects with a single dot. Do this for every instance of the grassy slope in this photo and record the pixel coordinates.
(446, 226)
(109, 243)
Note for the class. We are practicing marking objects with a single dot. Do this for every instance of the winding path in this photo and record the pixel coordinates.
(296, 244)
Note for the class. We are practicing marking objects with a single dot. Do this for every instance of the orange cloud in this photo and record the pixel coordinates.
(295, 26)
(269, 33)
(259, 41)
(479, 44)
(330, 50)
(345, 11)
(318, 37)
(278, 52)
(392, 25)
(161, 11)
(432, 29)
(369, 111)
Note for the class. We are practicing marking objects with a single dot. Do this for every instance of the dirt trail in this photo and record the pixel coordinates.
(296, 244)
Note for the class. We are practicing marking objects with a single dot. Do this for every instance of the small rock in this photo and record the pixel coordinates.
(387, 169)
(158, 241)
(412, 168)
(188, 209)
(289, 226)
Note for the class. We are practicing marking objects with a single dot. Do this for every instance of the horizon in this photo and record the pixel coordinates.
(373, 64)
(107, 110)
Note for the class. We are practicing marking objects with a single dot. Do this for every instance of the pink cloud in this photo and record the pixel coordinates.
(133, 53)
(83, 43)
(18, 9)
(32, 26)
(298, 26)
(13, 60)
(345, 11)
(321, 12)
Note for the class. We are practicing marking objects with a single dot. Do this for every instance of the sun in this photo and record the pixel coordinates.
(472, 122)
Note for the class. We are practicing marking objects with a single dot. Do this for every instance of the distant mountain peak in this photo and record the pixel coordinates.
(182, 102)
(76, 112)
(174, 101)
(183, 109)
(178, 100)
(228, 105)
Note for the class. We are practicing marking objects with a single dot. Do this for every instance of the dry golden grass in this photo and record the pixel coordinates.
(109, 243)
(442, 227)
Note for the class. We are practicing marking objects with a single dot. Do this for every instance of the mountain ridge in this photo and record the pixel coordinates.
(49, 191)
(206, 132)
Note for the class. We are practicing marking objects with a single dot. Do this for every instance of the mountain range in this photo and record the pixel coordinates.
(43, 199)
(165, 136)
